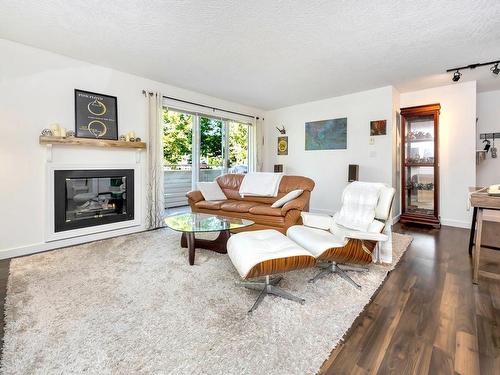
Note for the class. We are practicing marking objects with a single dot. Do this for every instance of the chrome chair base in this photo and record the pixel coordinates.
(329, 268)
(268, 286)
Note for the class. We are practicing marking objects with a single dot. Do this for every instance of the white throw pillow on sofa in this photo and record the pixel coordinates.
(211, 191)
(287, 198)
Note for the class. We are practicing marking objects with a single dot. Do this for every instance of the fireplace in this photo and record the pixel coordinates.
(86, 198)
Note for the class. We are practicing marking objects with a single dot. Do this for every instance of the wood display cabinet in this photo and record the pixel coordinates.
(420, 165)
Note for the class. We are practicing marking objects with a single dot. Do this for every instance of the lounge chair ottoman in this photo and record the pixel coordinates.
(263, 253)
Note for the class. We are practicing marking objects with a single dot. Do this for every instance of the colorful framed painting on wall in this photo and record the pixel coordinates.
(378, 127)
(326, 134)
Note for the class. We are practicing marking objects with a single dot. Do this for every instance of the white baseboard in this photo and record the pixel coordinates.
(45, 246)
(456, 223)
(395, 219)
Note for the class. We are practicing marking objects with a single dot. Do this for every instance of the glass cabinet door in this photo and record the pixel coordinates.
(419, 164)
(420, 190)
(420, 172)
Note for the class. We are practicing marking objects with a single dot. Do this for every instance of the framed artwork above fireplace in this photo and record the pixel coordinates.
(96, 115)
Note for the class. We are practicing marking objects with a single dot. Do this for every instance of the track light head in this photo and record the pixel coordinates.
(456, 76)
(494, 69)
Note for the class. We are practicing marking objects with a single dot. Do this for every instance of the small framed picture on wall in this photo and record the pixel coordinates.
(283, 145)
(96, 115)
(378, 127)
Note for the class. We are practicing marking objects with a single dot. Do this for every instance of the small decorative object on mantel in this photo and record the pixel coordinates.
(54, 127)
(130, 136)
(47, 133)
(96, 115)
(283, 145)
(378, 127)
(123, 138)
(137, 139)
(56, 131)
(70, 133)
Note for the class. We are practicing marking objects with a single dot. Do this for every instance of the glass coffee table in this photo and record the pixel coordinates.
(191, 223)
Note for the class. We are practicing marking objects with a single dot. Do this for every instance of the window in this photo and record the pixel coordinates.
(199, 147)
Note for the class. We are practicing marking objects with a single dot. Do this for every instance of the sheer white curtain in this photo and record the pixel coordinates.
(258, 144)
(155, 197)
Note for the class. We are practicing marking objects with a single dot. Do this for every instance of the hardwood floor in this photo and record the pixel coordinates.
(427, 318)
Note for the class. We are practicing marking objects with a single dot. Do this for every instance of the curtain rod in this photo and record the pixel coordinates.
(209, 107)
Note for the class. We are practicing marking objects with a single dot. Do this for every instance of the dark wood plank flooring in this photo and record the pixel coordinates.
(427, 318)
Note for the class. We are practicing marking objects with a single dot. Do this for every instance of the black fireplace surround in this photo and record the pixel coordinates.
(86, 198)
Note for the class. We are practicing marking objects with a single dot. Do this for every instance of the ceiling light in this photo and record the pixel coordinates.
(456, 76)
(494, 69)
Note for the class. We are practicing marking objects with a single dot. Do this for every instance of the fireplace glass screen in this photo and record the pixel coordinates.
(84, 198)
(95, 197)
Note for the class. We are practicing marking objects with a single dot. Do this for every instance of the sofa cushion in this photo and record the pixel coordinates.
(210, 205)
(265, 210)
(287, 198)
(211, 191)
(238, 206)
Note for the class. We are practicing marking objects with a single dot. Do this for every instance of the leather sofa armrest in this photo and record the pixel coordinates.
(292, 205)
(195, 196)
(299, 203)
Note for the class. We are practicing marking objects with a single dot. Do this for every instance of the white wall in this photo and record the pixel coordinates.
(457, 144)
(396, 153)
(36, 88)
(488, 113)
(328, 168)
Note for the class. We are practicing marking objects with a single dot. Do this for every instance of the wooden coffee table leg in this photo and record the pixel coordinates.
(219, 245)
(191, 246)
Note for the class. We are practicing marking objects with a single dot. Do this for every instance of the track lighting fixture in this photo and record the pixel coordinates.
(495, 69)
(456, 75)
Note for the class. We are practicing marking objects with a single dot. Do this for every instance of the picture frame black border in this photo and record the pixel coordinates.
(116, 111)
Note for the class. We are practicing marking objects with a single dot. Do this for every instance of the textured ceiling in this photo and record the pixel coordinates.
(268, 54)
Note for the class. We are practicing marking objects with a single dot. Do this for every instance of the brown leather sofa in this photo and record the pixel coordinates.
(257, 209)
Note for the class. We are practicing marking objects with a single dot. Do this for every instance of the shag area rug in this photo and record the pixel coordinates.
(132, 304)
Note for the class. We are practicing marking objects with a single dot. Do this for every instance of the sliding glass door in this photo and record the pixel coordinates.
(201, 148)
(212, 142)
(177, 156)
(238, 147)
